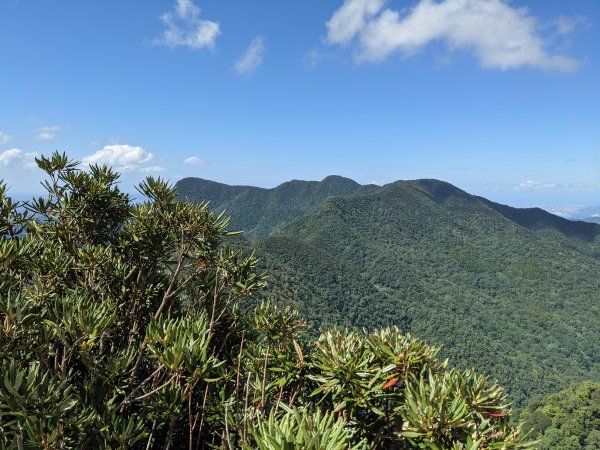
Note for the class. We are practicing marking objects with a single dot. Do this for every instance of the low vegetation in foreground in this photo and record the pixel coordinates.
(131, 325)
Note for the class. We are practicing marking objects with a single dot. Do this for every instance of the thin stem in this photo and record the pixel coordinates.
(227, 429)
(245, 429)
(237, 378)
(264, 379)
(127, 399)
(203, 411)
(170, 434)
(153, 391)
(150, 438)
(168, 293)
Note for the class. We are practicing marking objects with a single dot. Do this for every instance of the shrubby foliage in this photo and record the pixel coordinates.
(122, 326)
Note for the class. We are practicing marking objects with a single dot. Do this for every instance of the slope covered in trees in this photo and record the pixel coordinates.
(135, 326)
(512, 292)
(568, 420)
(328, 291)
(258, 211)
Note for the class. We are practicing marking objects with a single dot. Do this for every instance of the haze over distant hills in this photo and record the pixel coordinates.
(594, 219)
(513, 292)
(577, 212)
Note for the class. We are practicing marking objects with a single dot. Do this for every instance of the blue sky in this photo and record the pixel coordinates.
(501, 98)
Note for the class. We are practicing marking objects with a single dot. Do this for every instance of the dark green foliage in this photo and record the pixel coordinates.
(135, 326)
(511, 292)
(325, 289)
(518, 303)
(567, 420)
(259, 212)
(112, 313)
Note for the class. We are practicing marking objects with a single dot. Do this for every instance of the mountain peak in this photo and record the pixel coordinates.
(337, 179)
(258, 211)
(438, 190)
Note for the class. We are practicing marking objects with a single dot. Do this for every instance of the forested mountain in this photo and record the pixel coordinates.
(569, 419)
(513, 292)
(258, 211)
(136, 326)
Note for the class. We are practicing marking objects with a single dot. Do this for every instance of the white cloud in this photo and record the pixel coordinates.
(350, 19)
(184, 27)
(192, 161)
(538, 185)
(500, 36)
(532, 184)
(124, 158)
(567, 24)
(47, 133)
(252, 57)
(17, 158)
(4, 138)
(152, 169)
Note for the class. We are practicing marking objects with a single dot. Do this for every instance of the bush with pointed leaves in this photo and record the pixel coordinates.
(122, 326)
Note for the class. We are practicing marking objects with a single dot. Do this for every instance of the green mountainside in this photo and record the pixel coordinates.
(569, 419)
(512, 292)
(328, 291)
(259, 212)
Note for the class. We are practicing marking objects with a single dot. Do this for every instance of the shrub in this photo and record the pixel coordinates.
(122, 326)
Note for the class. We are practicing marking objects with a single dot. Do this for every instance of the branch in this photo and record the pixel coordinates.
(169, 293)
(126, 400)
(153, 391)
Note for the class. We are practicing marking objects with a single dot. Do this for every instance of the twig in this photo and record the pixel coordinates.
(227, 428)
(126, 400)
(214, 304)
(264, 380)
(148, 394)
(239, 362)
(279, 399)
(150, 438)
(168, 293)
(203, 411)
(191, 425)
(170, 434)
(246, 407)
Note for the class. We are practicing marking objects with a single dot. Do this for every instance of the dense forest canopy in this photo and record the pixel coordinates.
(135, 326)
(512, 292)
(261, 211)
(568, 420)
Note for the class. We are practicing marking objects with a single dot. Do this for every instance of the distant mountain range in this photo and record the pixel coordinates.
(258, 211)
(585, 213)
(512, 292)
(594, 219)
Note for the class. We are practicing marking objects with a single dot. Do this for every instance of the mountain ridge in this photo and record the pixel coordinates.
(260, 211)
(221, 195)
(510, 291)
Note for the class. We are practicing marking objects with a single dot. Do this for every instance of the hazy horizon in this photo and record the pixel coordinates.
(574, 211)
